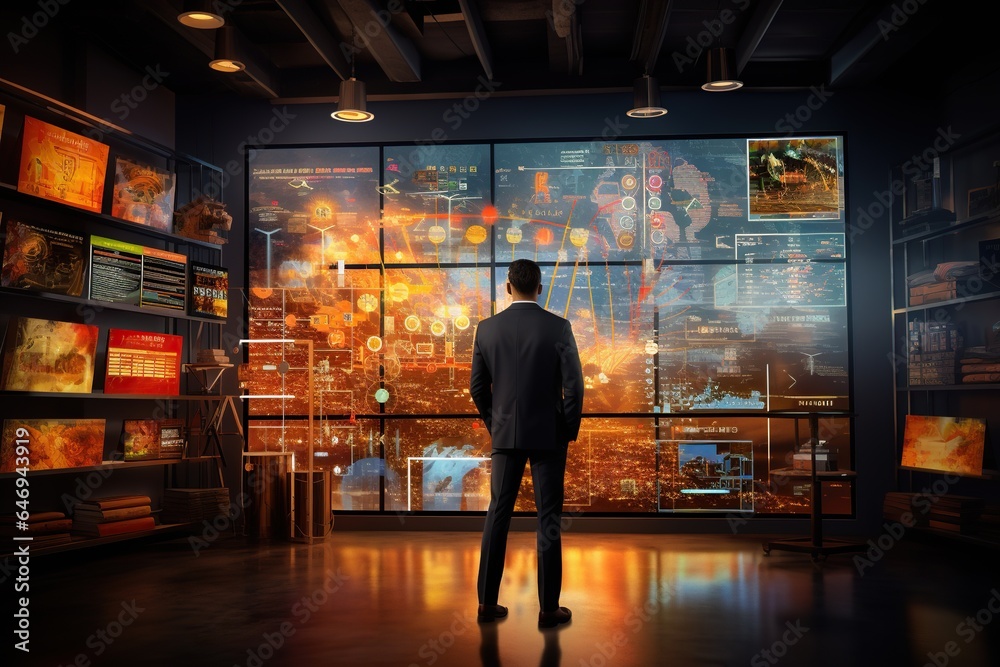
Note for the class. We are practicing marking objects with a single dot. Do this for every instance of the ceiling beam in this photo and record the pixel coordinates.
(756, 27)
(318, 36)
(565, 39)
(395, 54)
(258, 69)
(878, 44)
(650, 31)
(474, 22)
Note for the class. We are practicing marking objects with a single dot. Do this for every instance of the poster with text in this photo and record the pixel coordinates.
(143, 362)
(62, 166)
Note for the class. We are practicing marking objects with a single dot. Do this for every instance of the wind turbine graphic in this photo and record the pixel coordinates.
(268, 235)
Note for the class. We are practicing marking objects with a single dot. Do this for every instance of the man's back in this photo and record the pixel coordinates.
(526, 378)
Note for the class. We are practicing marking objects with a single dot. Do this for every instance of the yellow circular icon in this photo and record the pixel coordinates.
(475, 234)
(629, 182)
(462, 322)
(625, 240)
(412, 323)
(399, 292)
(578, 236)
(437, 328)
(436, 234)
(652, 348)
(374, 343)
(368, 302)
(514, 235)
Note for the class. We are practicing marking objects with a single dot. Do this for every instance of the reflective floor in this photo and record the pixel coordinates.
(408, 598)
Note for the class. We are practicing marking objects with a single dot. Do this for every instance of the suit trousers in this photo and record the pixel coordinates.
(548, 469)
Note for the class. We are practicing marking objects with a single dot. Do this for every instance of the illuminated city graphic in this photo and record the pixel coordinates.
(710, 475)
(699, 276)
(437, 211)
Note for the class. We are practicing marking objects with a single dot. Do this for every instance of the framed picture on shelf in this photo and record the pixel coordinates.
(944, 444)
(140, 439)
(143, 194)
(53, 443)
(143, 362)
(49, 355)
(62, 166)
(41, 259)
(209, 291)
(983, 200)
(173, 438)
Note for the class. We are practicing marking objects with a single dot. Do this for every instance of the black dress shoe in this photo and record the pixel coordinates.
(550, 619)
(490, 612)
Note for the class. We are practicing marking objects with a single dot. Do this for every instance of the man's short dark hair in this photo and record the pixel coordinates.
(524, 276)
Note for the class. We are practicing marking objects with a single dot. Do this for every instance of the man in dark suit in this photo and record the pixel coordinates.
(527, 384)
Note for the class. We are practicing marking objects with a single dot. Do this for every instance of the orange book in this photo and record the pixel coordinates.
(109, 515)
(115, 502)
(116, 527)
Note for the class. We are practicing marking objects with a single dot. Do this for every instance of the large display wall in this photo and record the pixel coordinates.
(706, 281)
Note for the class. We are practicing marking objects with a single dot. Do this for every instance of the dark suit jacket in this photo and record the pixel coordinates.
(527, 382)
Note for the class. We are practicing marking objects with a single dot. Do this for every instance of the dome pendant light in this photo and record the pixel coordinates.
(646, 98)
(353, 100)
(720, 78)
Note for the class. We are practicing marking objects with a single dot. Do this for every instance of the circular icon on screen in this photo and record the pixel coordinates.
(374, 343)
(578, 236)
(437, 328)
(654, 203)
(476, 234)
(628, 203)
(412, 323)
(626, 222)
(436, 234)
(629, 182)
(368, 302)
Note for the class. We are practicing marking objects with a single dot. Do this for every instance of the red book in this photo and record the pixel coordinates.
(116, 527)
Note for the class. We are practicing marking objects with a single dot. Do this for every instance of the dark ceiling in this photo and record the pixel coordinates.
(300, 50)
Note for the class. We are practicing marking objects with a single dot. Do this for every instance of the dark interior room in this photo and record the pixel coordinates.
(287, 284)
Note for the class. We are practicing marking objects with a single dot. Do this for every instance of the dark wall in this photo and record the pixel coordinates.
(878, 131)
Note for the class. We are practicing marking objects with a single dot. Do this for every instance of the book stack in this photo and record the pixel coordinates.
(212, 356)
(979, 365)
(194, 505)
(933, 292)
(955, 514)
(933, 351)
(115, 515)
(896, 505)
(44, 528)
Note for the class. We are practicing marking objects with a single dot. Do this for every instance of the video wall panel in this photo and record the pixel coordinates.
(702, 277)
